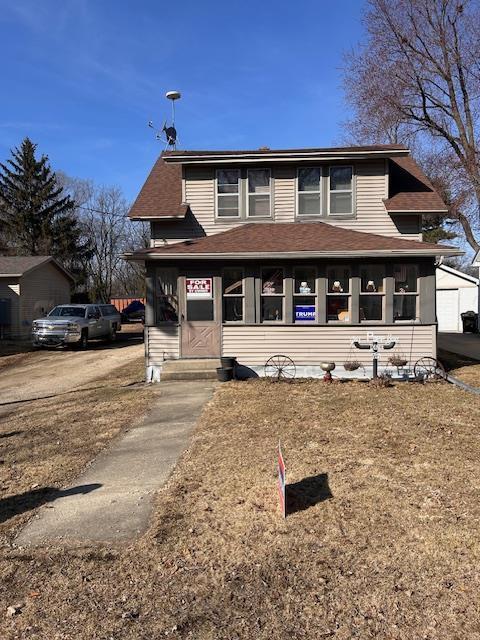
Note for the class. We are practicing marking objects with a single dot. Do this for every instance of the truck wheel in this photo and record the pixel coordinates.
(83, 342)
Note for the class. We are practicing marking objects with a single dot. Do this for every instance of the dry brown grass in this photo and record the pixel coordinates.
(383, 543)
(47, 442)
(469, 374)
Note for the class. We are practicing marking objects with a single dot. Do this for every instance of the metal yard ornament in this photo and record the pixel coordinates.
(373, 343)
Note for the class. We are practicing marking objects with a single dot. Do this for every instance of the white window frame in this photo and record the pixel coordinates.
(221, 195)
(269, 215)
(320, 194)
(351, 190)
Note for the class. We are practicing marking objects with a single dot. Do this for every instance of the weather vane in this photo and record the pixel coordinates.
(168, 134)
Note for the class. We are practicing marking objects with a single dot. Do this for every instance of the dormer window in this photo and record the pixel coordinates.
(259, 193)
(228, 193)
(309, 191)
(340, 192)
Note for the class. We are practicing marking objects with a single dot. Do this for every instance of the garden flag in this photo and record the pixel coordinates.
(282, 482)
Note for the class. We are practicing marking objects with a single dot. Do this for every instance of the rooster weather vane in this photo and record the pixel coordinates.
(168, 133)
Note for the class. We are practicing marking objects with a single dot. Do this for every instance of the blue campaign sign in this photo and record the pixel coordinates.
(304, 312)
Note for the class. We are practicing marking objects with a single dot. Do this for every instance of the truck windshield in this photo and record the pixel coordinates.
(77, 312)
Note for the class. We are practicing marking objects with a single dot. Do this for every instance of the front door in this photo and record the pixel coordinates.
(201, 318)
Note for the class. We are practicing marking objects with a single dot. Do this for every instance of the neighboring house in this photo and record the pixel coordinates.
(255, 253)
(457, 292)
(29, 287)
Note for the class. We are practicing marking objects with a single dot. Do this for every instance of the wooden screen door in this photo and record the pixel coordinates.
(201, 318)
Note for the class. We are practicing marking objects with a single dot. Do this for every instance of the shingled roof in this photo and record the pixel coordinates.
(17, 266)
(295, 239)
(410, 189)
(161, 195)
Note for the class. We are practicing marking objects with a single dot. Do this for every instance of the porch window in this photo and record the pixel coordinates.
(233, 295)
(272, 294)
(228, 192)
(166, 295)
(258, 196)
(371, 292)
(338, 294)
(309, 199)
(340, 190)
(304, 294)
(405, 298)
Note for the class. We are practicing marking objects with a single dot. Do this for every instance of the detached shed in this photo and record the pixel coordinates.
(457, 292)
(29, 287)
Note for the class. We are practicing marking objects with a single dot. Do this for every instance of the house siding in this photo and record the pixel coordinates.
(10, 289)
(199, 185)
(253, 345)
(41, 289)
(162, 343)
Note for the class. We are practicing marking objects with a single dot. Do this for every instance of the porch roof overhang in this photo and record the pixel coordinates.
(292, 240)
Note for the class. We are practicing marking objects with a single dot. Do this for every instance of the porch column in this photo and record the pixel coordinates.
(389, 291)
(427, 292)
(150, 295)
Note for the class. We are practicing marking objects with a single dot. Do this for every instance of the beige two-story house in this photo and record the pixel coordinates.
(297, 252)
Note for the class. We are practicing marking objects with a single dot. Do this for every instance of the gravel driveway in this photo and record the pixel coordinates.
(46, 373)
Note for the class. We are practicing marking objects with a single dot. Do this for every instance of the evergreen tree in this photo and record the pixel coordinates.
(36, 216)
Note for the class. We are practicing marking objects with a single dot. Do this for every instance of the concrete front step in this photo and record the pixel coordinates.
(198, 374)
(190, 369)
(191, 364)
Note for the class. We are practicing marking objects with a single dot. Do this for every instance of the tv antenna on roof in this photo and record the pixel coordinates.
(168, 134)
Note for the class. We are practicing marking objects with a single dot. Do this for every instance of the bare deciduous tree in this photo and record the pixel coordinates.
(416, 80)
(102, 212)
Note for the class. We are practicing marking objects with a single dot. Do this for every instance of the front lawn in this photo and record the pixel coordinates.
(382, 540)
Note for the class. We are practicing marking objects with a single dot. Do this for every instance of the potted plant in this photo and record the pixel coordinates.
(397, 360)
(352, 365)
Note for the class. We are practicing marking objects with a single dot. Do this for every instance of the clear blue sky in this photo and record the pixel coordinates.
(83, 77)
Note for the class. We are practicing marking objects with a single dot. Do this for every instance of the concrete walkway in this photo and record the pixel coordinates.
(465, 344)
(112, 500)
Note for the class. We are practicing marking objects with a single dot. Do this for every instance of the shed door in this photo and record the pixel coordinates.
(448, 314)
(201, 318)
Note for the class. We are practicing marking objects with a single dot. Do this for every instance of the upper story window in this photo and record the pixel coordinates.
(340, 193)
(309, 191)
(228, 193)
(259, 195)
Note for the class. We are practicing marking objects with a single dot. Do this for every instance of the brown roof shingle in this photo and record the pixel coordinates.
(161, 195)
(19, 265)
(410, 189)
(297, 237)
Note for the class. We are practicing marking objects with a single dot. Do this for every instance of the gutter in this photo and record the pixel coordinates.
(285, 157)
(292, 254)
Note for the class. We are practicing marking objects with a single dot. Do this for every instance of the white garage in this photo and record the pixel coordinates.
(456, 292)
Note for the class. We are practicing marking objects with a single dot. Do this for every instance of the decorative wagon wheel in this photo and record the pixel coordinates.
(429, 369)
(280, 367)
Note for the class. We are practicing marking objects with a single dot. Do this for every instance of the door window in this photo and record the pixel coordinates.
(200, 300)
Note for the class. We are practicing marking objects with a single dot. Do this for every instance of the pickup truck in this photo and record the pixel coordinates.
(76, 324)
